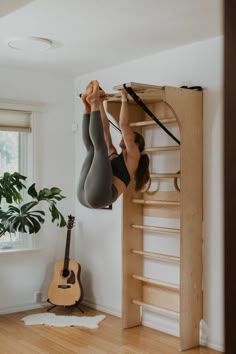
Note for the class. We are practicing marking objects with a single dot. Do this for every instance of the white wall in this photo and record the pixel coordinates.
(99, 241)
(26, 273)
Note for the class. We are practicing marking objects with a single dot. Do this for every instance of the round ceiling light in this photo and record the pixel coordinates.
(30, 44)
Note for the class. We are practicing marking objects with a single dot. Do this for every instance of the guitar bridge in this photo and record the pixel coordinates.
(64, 286)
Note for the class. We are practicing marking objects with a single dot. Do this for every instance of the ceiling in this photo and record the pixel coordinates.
(93, 34)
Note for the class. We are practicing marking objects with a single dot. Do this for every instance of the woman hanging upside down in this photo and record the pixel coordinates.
(106, 174)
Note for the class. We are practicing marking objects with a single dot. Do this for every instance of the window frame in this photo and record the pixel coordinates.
(24, 168)
(30, 167)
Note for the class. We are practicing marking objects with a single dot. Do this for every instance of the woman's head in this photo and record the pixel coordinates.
(138, 139)
(142, 174)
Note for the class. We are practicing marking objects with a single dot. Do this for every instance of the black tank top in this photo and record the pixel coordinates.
(119, 169)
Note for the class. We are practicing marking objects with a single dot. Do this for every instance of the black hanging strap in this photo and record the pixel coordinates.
(138, 100)
(114, 126)
(195, 88)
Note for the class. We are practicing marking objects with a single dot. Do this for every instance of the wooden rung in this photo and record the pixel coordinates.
(164, 175)
(156, 229)
(160, 310)
(147, 123)
(162, 148)
(137, 86)
(155, 282)
(155, 202)
(145, 98)
(158, 256)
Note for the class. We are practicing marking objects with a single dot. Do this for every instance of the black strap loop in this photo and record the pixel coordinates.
(114, 126)
(138, 100)
(195, 88)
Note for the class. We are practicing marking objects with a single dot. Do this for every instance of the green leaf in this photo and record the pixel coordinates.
(55, 190)
(44, 194)
(13, 208)
(25, 218)
(2, 230)
(10, 187)
(26, 207)
(32, 191)
(57, 216)
(54, 212)
(36, 225)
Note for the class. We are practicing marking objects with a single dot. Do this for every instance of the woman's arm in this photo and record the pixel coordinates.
(106, 127)
(127, 132)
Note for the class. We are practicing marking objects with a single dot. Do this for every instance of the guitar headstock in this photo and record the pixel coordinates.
(70, 222)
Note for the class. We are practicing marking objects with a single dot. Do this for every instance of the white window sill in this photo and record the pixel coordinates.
(18, 250)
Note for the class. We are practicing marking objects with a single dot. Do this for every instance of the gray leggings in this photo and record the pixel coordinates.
(95, 188)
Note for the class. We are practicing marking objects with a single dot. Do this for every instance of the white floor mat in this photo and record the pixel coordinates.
(51, 319)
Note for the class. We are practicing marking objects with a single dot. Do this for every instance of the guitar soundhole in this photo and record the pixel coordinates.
(65, 273)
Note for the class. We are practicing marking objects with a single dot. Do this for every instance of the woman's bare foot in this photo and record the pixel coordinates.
(93, 98)
(88, 91)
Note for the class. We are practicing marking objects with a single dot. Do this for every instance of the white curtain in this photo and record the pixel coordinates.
(18, 121)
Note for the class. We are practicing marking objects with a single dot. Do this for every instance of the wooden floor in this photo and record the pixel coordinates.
(16, 338)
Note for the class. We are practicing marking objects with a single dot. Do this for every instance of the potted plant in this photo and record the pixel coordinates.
(17, 216)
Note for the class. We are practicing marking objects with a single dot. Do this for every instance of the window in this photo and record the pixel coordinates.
(15, 141)
(9, 151)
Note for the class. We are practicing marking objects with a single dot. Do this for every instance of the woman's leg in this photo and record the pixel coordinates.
(95, 186)
(88, 145)
(98, 184)
(88, 160)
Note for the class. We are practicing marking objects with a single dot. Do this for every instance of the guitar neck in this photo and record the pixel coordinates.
(67, 250)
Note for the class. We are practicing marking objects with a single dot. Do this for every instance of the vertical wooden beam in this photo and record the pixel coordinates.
(131, 264)
(230, 173)
(187, 104)
(131, 238)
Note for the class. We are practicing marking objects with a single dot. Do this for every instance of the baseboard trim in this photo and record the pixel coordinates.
(160, 327)
(22, 308)
(108, 310)
(215, 346)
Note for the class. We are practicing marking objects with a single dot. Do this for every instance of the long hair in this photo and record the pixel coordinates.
(142, 174)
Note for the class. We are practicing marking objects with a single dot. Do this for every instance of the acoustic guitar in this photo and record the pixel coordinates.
(65, 288)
